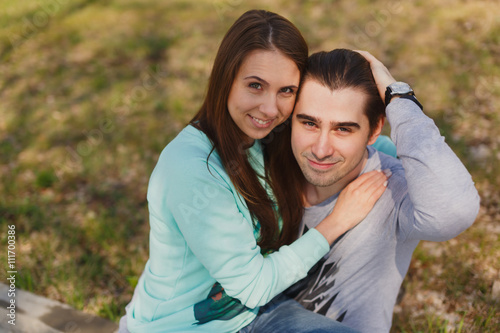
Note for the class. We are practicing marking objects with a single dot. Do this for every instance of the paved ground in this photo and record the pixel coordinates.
(35, 314)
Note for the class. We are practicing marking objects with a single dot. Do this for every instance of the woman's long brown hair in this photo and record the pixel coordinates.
(254, 30)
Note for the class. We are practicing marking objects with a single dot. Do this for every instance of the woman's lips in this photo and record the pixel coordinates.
(261, 123)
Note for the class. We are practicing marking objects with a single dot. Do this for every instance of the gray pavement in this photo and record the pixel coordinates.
(36, 314)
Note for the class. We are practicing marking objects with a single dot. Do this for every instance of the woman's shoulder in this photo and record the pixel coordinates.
(182, 169)
(189, 137)
(188, 153)
(190, 144)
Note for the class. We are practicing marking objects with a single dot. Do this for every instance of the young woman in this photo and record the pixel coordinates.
(221, 245)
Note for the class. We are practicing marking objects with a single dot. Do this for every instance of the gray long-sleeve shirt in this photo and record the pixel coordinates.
(430, 196)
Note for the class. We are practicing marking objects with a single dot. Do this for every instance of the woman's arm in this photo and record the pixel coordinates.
(211, 217)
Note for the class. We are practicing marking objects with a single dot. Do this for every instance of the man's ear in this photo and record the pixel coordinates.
(376, 132)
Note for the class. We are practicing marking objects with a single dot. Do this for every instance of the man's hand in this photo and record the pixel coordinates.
(380, 73)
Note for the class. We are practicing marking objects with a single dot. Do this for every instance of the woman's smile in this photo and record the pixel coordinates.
(263, 93)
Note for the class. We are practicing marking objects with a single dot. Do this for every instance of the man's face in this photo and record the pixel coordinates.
(330, 132)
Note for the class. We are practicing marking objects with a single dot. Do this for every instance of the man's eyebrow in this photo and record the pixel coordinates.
(345, 124)
(306, 117)
(333, 123)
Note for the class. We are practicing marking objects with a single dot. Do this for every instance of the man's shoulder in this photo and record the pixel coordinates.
(378, 160)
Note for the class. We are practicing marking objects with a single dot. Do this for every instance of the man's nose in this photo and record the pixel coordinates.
(323, 146)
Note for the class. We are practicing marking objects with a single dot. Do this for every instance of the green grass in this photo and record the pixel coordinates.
(92, 91)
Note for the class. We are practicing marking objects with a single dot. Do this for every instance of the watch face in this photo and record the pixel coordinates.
(400, 88)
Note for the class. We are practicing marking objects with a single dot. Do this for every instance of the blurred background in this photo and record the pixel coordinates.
(91, 91)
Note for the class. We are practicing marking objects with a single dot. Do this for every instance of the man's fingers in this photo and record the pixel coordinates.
(374, 62)
(368, 56)
(381, 74)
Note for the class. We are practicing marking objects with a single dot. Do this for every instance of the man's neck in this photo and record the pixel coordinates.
(315, 195)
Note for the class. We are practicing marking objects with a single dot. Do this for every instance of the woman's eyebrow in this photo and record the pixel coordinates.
(254, 77)
(257, 78)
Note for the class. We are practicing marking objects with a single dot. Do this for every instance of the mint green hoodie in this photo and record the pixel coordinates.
(205, 272)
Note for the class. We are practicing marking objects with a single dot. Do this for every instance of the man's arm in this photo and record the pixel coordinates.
(442, 200)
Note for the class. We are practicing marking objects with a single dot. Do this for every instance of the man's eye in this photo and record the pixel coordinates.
(309, 124)
(344, 129)
(255, 85)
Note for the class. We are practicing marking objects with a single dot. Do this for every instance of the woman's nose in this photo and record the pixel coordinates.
(270, 107)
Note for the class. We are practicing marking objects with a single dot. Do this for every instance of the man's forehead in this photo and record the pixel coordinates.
(326, 105)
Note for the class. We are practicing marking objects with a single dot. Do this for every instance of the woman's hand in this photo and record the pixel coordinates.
(381, 74)
(353, 204)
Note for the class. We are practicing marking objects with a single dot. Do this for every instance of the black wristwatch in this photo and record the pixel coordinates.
(397, 89)
(400, 89)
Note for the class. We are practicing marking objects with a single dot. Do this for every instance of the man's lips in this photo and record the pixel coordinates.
(318, 165)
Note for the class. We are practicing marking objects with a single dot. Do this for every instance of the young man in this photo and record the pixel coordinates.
(430, 195)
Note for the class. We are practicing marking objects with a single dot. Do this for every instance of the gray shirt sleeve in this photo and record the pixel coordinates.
(442, 200)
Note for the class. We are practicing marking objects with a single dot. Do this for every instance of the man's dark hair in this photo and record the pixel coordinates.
(342, 68)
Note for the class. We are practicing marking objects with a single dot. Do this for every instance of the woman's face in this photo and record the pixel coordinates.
(263, 93)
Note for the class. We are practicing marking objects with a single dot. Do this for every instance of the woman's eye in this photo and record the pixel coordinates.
(287, 90)
(255, 85)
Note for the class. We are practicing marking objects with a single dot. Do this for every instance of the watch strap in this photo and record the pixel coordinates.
(414, 99)
(388, 96)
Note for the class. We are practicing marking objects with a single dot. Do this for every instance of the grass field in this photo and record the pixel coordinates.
(91, 91)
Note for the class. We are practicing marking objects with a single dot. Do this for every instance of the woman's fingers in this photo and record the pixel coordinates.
(377, 180)
(361, 194)
(369, 178)
(375, 187)
(353, 204)
(367, 188)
